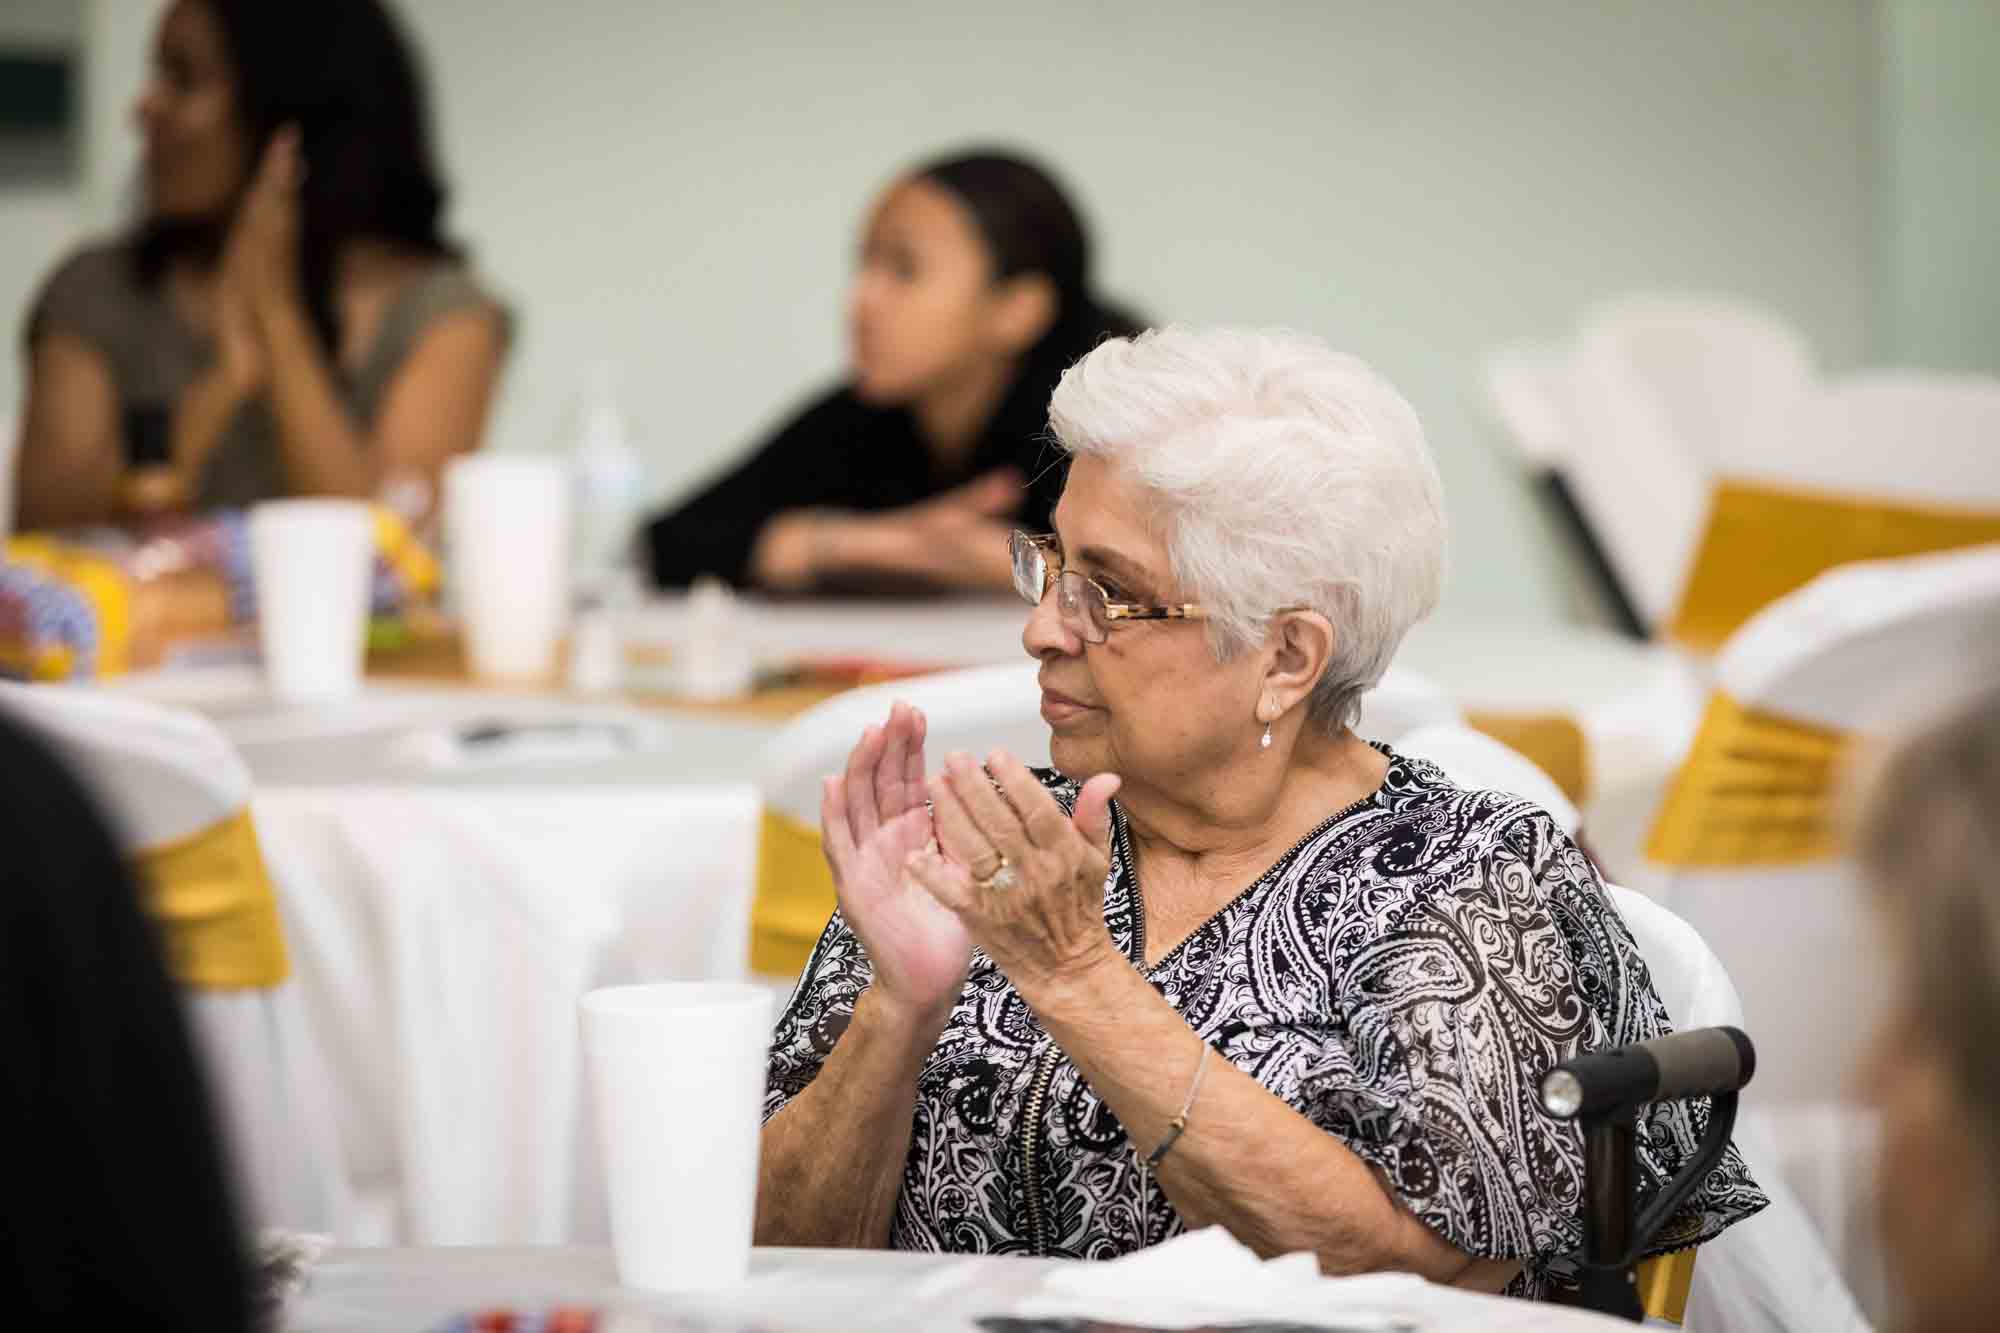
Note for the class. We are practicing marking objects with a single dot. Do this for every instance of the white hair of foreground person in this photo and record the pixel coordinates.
(1285, 474)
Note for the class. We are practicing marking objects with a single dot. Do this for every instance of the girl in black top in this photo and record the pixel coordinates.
(972, 297)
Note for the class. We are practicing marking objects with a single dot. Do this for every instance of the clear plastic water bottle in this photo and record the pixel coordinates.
(610, 480)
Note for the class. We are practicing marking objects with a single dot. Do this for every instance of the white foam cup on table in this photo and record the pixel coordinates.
(677, 1079)
(311, 561)
(507, 527)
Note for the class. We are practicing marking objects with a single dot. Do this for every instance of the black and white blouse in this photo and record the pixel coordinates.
(1402, 978)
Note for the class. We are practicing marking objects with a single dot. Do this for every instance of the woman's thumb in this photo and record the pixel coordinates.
(1093, 810)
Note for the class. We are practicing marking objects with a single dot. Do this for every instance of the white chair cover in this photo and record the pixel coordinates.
(975, 710)
(1910, 435)
(1862, 650)
(1527, 390)
(1771, 1273)
(162, 775)
(1667, 391)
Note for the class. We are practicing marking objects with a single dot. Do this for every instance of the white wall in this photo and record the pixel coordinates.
(1939, 109)
(678, 186)
(38, 225)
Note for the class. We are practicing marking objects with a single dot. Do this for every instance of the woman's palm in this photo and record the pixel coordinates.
(919, 949)
(872, 818)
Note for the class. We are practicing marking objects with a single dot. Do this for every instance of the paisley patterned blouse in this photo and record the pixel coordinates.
(1402, 978)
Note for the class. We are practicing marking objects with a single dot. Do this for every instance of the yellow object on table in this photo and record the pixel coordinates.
(104, 594)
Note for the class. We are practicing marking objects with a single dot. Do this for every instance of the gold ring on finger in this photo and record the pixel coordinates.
(1002, 878)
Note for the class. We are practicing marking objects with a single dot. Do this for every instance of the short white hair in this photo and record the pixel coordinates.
(1284, 474)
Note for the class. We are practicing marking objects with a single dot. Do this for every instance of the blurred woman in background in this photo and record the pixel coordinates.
(972, 296)
(117, 1211)
(1930, 849)
(287, 318)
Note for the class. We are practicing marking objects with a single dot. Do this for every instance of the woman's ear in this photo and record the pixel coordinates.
(1024, 308)
(1300, 644)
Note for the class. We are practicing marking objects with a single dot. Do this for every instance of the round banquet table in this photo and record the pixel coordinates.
(810, 1291)
(445, 910)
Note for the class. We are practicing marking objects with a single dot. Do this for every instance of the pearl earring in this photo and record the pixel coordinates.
(1265, 744)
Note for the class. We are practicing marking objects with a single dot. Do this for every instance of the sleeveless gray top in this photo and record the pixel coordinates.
(96, 295)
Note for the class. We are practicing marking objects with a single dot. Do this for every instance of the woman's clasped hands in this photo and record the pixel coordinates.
(991, 861)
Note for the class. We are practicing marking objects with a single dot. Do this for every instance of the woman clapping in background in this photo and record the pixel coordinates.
(287, 318)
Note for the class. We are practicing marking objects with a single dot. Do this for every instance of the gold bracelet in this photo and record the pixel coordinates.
(1178, 1125)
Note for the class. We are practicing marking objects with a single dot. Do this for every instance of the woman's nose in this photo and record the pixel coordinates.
(1045, 633)
(865, 292)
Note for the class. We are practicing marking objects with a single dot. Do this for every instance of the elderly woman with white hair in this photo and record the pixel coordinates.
(1226, 963)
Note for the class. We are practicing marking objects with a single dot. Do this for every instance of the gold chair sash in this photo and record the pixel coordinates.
(794, 897)
(1764, 541)
(1663, 1286)
(1554, 741)
(211, 895)
(1755, 790)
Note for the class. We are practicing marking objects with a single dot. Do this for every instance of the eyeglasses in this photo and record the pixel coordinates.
(1087, 610)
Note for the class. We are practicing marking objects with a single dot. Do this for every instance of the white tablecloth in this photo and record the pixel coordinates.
(442, 939)
(788, 1289)
(444, 920)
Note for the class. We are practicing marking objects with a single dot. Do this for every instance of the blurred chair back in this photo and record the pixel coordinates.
(975, 710)
(1665, 391)
(1691, 983)
(1898, 435)
(179, 796)
(1747, 846)
(1747, 835)
(1871, 466)
(1527, 391)
(1771, 1271)
(1689, 978)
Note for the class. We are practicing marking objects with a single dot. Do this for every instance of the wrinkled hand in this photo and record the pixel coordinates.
(260, 260)
(1050, 924)
(872, 819)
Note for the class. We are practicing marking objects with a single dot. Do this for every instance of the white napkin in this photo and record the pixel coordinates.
(1208, 1277)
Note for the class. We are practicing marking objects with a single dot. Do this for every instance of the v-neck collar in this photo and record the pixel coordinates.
(1123, 891)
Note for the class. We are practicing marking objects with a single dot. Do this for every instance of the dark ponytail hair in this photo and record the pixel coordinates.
(342, 72)
(1030, 226)
(118, 1210)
